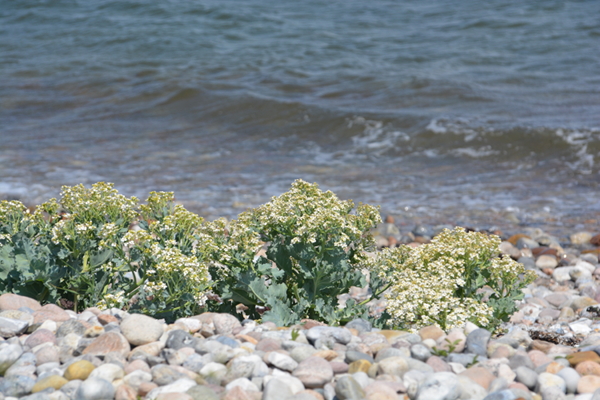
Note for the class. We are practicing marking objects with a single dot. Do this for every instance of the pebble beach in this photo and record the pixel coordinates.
(550, 349)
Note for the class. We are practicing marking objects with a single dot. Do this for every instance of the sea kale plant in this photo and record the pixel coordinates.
(315, 244)
(458, 277)
(94, 247)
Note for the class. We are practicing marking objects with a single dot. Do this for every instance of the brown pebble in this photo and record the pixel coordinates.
(145, 388)
(576, 358)
(515, 238)
(588, 368)
(105, 319)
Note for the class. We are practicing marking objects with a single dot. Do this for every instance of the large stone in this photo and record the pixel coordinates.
(95, 389)
(107, 343)
(395, 366)
(9, 301)
(141, 329)
(314, 372)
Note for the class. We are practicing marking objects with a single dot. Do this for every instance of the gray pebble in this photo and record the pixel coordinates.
(347, 388)
(477, 341)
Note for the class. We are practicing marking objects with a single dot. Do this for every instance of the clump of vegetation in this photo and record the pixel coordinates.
(315, 244)
(442, 282)
(286, 260)
(81, 252)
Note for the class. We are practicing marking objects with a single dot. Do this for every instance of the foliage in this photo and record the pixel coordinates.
(441, 282)
(82, 251)
(315, 244)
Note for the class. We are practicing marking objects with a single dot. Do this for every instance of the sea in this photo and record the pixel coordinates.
(481, 114)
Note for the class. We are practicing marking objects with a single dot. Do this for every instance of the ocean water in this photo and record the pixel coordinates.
(473, 113)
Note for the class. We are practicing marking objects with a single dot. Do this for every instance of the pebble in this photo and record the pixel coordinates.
(140, 329)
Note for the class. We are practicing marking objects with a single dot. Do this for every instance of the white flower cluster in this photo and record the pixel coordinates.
(426, 279)
(309, 215)
(111, 300)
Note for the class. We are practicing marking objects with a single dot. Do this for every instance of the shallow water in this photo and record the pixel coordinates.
(444, 112)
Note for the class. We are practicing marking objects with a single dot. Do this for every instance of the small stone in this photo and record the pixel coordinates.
(395, 366)
(479, 375)
(179, 386)
(359, 366)
(52, 381)
(380, 390)
(145, 388)
(339, 335)
(347, 388)
(107, 343)
(326, 354)
(9, 301)
(125, 392)
(47, 354)
(178, 339)
(438, 364)
(50, 312)
(9, 354)
(201, 392)
(40, 336)
(576, 358)
(546, 380)
(243, 383)
(95, 389)
(238, 393)
(361, 325)
(10, 327)
(477, 342)
(546, 261)
(571, 378)
(281, 361)
(580, 238)
(164, 374)
(314, 372)
(526, 376)
(136, 378)
(431, 332)
(280, 387)
(16, 386)
(439, 386)
(79, 370)
(141, 329)
(70, 326)
(109, 372)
